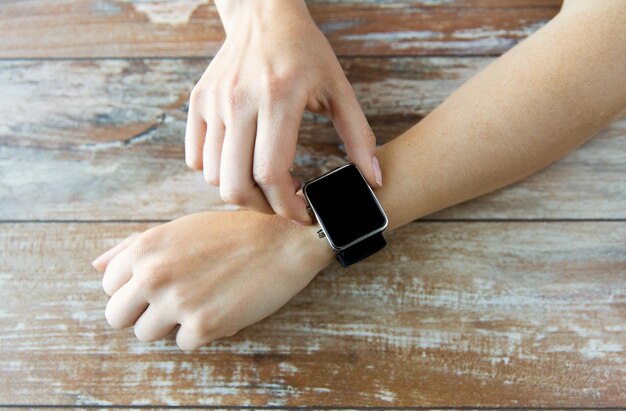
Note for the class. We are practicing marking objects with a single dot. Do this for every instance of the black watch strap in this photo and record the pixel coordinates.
(362, 249)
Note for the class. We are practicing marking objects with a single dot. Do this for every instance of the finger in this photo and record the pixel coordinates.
(118, 272)
(237, 185)
(187, 338)
(191, 336)
(212, 151)
(125, 306)
(102, 261)
(356, 134)
(154, 324)
(296, 183)
(194, 137)
(274, 152)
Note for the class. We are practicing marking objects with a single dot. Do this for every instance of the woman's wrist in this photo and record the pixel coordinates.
(234, 13)
(315, 249)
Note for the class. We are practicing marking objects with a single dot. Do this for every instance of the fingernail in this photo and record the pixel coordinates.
(378, 176)
(302, 223)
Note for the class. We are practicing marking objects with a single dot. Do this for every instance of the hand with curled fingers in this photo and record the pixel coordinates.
(245, 112)
(213, 273)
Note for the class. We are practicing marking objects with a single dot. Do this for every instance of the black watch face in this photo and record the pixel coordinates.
(345, 206)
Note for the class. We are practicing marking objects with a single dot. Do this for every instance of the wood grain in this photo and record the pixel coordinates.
(139, 28)
(101, 140)
(450, 314)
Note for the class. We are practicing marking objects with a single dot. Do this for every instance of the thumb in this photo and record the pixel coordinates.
(356, 134)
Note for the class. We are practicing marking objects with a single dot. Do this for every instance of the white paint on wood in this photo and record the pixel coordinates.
(395, 36)
(287, 368)
(597, 348)
(386, 395)
(486, 32)
(172, 12)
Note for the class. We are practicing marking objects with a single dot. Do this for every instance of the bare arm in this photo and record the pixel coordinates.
(216, 273)
(540, 100)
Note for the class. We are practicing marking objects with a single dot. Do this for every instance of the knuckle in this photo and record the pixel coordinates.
(113, 320)
(187, 348)
(197, 95)
(285, 213)
(193, 153)
(187, 343)
(107, 286)
(199, 330)
(142, 335)
(208, 323)
(276, 86)
(231, 333)
(152, 275)
(264, 175)
(180, 299)
(342, 88)
(336, 90)
(193, 161)
(233, 82)
(213, 181)
(235, 92)
(211, 178)
(147, 243)
(233, 196)
(365, 137)
(367, 133)
(338, 95)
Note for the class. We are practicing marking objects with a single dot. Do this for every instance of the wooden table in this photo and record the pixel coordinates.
(516, 299)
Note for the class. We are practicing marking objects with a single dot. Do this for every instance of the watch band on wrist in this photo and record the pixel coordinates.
(362, 249)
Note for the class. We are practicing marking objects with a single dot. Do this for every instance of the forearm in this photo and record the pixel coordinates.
(234, 13)
(534, 104)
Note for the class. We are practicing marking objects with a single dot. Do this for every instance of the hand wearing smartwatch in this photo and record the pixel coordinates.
(349, 214)
(211, 274)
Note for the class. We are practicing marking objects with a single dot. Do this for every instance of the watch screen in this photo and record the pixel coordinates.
(345, 205)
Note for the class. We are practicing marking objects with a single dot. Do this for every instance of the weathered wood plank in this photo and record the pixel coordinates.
(450, 314)
(93, 140)
(137, 28)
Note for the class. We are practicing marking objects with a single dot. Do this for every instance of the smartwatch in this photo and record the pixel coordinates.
(348, 212)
